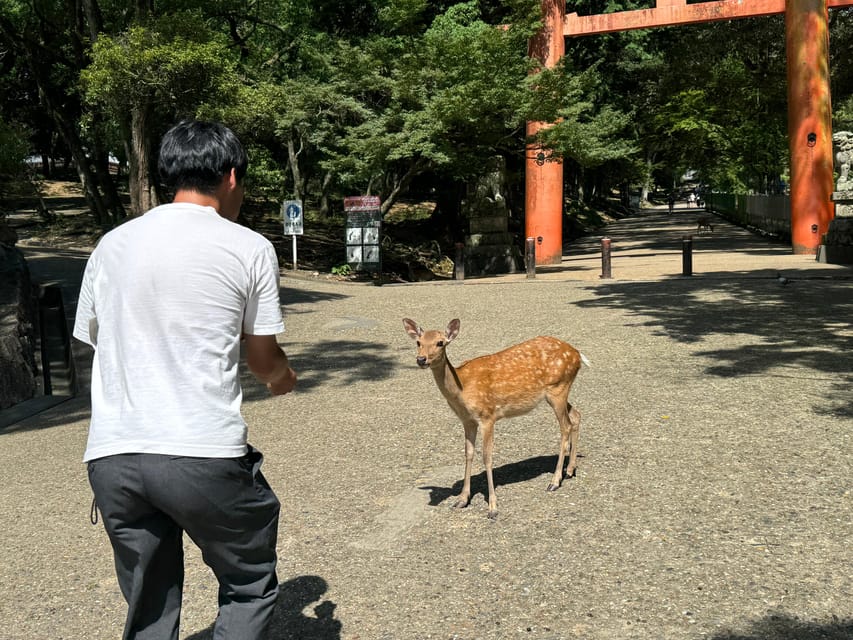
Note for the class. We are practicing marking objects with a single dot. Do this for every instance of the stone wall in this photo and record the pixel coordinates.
(19, 379)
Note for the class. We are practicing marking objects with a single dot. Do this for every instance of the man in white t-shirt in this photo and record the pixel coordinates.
(166, 300)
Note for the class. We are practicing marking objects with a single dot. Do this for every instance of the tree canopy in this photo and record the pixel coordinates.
(392, 97)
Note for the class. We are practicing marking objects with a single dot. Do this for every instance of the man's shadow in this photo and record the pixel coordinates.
(289, 622)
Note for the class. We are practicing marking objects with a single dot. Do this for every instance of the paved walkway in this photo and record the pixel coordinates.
(713, 496)
(648, 246)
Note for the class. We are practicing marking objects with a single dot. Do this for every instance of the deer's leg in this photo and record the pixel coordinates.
(575, 420)
(488, 448)
(563, 411)
(470, 442)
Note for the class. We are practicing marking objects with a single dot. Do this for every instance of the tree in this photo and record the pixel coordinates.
(14, 148)
(456, 97)
(587, 132)
(163, 68)
(49, 45)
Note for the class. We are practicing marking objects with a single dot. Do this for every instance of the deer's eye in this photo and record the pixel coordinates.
(440, 343)
(418, 342)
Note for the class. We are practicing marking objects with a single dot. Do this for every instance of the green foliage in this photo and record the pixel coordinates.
(453, 100)
(339, 97)
(14, 148)
(342, 270)
(175, 62)
(266, 176)
(587, 130)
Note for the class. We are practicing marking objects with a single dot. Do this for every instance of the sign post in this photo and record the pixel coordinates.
(363, 233)
(291, 213)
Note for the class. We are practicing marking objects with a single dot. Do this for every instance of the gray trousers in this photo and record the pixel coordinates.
(225, 506)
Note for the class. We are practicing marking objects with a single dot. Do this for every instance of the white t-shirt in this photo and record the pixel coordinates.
(164, 300)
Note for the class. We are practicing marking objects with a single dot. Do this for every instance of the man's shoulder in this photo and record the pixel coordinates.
(182, 221)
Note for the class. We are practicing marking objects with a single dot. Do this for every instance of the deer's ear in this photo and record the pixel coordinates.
(412, 328)
(452, 329)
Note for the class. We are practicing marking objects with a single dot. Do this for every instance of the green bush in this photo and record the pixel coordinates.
(14, 148)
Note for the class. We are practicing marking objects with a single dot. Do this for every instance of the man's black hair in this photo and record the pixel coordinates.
(195, 155)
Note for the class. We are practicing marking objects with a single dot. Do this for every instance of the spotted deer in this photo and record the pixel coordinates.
(509, 383)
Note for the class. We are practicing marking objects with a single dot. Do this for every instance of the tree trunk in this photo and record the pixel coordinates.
(100, 159)
(143, 9)
(88, 180)
(293, 161)
(142, 196)
(650, 161)
(324, 195)
(94, 18)
(416, 168)
(38, 61)
(46, 165)
(447, 215)
(89, 183)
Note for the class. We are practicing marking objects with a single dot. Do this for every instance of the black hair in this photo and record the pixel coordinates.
(195, 155)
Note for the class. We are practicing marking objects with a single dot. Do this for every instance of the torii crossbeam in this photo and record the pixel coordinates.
(809, 106)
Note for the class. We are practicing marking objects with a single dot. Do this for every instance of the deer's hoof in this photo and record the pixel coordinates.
(552, 487)
(460, 504)
(493, 514)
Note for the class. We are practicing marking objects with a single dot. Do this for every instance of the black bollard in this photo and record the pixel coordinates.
(530, 257)
(605, 258)
(459, 265)
(687, 256)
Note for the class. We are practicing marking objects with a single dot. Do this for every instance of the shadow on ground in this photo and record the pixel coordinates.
(67, 412)
(520, 471)
(329, 363)
(783, 627)
(289, 621)
(290, 297)
(793, 328)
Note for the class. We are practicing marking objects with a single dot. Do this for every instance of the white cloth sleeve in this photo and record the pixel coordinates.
(85, 320)
(263, 308)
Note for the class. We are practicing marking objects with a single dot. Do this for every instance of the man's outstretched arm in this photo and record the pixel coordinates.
(269, 364)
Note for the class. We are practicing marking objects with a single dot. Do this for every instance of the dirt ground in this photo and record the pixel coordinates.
(712, 500)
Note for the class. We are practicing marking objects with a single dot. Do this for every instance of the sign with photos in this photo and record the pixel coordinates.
(363, 232)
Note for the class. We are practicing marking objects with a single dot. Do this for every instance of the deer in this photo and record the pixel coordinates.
(704, 223)
(505, 384)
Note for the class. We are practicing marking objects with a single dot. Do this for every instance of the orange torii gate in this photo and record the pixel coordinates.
(809, 106)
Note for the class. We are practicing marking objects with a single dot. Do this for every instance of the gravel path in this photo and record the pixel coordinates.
(713, 495)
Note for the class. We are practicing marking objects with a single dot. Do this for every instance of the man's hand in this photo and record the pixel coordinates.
(284, 384)
(269, 364)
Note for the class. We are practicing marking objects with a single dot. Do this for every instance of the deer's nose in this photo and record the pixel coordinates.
(421, 361)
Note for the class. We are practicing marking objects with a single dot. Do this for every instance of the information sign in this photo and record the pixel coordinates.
(291, 212)
(363, 232)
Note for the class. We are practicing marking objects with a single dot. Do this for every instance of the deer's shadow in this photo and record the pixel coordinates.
(520, 471)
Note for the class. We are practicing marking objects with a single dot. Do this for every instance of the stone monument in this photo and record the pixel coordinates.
(837, 245)
(489, 245)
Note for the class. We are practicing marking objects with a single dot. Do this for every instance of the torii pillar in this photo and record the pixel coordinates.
(809, 108)
(543, 199)
(809, 122)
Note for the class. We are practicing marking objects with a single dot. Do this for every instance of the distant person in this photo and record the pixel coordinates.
(671, 202)
(165, 300)
(691, 199)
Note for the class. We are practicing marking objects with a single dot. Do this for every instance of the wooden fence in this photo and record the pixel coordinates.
(771, 214)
